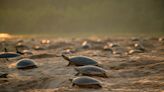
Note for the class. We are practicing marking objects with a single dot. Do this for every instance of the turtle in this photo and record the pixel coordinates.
(27, 52)
(139, 47)
(135, 39)
(68, 51)
(24, 52)
(3, 75)
(112, 45)
(107, 48)
(91, 70)
(86, 45)
(118, 51)
(45, 41)
(7, 54)
(161, 39)
(38, 48)
(134, 51)
(26, 64)
(86, 82)
(21, 45)
(79, 60)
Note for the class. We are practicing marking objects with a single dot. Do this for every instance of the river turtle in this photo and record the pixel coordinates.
(161, 39)
(45, 41)
(79, 60)
(91, 70)
(26, 64)
(139, 47)
(21, 45)
(134, 51)
(3, 75)
(7, 54)
(86, 45)
(86, 82)
(107, 48)
(27, 52)
(24, 52)
(38, 48)
(135, 39)
(112, 45)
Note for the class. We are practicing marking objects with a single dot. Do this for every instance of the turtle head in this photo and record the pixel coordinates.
(70, 79)
(65, 57)
(98, 65)
(5, 75)
(5, 49)
(19, 52)
(105, 75)
(76, 68)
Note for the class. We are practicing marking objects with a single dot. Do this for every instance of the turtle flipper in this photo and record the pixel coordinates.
(73, 84)
(65, 57)
(6, 59)
(5, 75)
(77, 74)
(105, 75)
(69, 64)
(99, 86)
(19, 52)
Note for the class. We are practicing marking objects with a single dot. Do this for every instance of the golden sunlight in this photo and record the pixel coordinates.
(5, 35)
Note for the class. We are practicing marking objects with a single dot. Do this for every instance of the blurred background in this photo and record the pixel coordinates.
(82, 18)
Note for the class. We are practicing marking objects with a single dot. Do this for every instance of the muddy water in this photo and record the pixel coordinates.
(135, 72)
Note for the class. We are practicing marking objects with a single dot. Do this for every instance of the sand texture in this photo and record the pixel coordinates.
(128, 71)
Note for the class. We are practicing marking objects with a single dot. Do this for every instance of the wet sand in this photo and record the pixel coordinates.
(128, 72)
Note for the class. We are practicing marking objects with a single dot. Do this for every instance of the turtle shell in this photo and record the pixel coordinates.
(38, 48)
(27, 52)
(82, 60)
(3, 75)
(134, 51)
(26, 64)
(86, 82)
(9, 55)
(91, 70)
